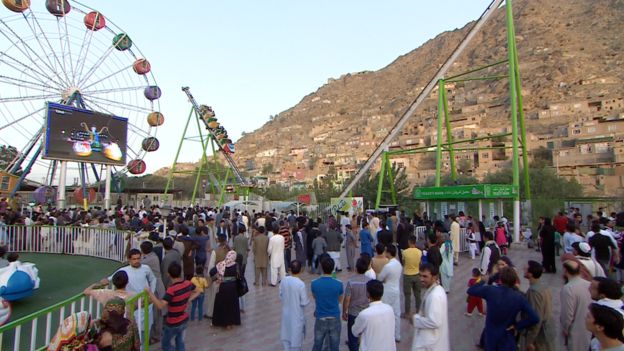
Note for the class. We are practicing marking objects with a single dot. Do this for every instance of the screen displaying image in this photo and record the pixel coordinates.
(74, 134)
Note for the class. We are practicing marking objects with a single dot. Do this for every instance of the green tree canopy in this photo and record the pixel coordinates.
(542, 157)
(446, 180)
(326, 188)
(267, 168)
(548, 191)
(8, 154)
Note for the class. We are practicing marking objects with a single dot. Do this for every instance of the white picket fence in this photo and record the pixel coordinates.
(86, 241)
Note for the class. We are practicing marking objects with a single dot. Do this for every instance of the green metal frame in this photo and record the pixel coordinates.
(518, 133)
(205, 139)
(385, 173)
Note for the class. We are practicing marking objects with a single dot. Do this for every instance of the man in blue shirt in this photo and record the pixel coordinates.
(505, 302)
(327, 292)
(366, 239)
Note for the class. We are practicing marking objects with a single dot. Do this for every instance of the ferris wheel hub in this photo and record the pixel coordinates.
(69, 92)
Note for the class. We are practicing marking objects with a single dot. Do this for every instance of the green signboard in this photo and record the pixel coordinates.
(466, 192)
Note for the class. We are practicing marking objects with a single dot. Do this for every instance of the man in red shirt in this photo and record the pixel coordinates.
(560, 222)
(176, 300)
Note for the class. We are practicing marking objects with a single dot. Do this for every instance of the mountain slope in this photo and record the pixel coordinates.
(569, 51)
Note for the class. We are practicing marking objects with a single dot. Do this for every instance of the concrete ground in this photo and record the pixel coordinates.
(260, 327)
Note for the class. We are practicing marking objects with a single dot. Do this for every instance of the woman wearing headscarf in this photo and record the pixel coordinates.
(226, 311)
(446, 268)
(114, 331)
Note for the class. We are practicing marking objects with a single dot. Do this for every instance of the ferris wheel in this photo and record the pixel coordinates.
(67, 53)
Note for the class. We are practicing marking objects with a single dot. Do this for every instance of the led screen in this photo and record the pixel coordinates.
(74, 134)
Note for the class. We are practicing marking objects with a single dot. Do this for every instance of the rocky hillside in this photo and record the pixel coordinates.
(570, 52)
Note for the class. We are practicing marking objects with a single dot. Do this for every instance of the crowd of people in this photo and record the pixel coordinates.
(192, 263)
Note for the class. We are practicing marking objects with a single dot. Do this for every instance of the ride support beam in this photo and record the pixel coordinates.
(525, 154)
(380, 181)
(424, 94)
(514, 117)
(83, 184)
(107, 187)
(203, 162)
(175, 160)
(449, 132)
(60, 196)
(438, 175)
(26, 171)
(431, 148)
(481, 68)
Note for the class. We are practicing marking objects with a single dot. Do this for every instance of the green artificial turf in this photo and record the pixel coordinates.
(62, 276)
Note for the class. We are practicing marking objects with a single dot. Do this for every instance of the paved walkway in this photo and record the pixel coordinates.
(260, 327)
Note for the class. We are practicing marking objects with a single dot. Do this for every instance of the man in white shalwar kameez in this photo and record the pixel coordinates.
(276, 257)
(431, 329)
(375, 324)
(211, 291)
(390, 276)
(294, 296)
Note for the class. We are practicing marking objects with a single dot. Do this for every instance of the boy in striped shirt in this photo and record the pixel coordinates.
(176, 300)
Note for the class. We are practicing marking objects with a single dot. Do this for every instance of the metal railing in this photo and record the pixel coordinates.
(420, 233)
(34, 332)
(85, 241)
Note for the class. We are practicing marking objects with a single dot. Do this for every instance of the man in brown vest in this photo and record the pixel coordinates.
(259, 246)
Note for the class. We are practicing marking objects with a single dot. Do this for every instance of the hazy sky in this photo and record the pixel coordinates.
(252, 59)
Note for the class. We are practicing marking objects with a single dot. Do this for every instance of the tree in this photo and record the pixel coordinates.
(367, 187)
(548, 191)
(313, 158)
(279, 192)
(446, 180)
(544, 183)
(427, 161)
(267, 168)
(183, 182)
(464, 166)
(542, 157)
(7, 156)
(326, 188)
(276, 192)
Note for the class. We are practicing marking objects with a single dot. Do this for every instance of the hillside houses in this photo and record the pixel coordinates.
(573, 100)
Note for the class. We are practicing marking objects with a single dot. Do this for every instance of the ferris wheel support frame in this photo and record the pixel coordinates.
(56, 75)
(60, 196)
(26, 171)
(76, 100)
